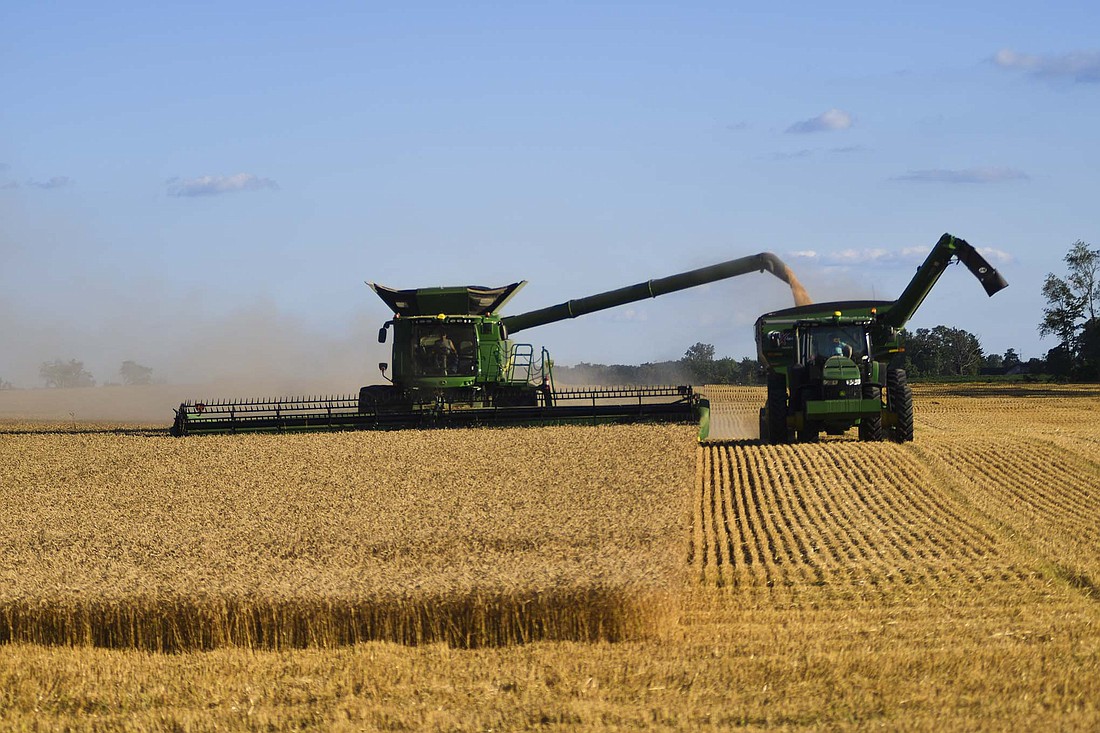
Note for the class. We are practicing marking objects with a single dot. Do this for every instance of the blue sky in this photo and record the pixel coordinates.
(193, 186)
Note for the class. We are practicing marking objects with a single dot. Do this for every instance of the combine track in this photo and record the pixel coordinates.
(838, 514)
(980, 498)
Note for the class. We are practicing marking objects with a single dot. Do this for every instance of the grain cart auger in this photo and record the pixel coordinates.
(828, 362)
(454, 364)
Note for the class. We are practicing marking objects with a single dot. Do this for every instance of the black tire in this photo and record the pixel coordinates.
(870, 428)
(371, 397)
(516, 397)
(382, 398)
(899, 400)
(809, 435)
(777, 409)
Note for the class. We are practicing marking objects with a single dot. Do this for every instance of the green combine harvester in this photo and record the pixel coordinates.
(456, 364)
(828, 363)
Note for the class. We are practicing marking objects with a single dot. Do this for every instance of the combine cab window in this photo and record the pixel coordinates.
(444, 350)
(827, 341)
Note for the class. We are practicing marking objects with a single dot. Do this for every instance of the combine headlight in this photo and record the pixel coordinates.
(853, 382)
(830, 382)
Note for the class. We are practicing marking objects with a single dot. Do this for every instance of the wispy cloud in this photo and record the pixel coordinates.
(810, 152)
(1079, 66)
(991, 174)
(55, 182)
(793, 154)
(215, 185)
(9, 185)
(883, 256)
(833, 119)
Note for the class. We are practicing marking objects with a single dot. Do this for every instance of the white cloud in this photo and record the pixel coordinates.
(55, 182)
(1080, 66)
(833, 119)
(214, 185)
(882, 256)
(794, 154)
(995, 256)
(623, 315)
(991, 174)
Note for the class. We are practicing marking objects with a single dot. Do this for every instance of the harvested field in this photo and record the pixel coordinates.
(1002, 486)
(944, 584)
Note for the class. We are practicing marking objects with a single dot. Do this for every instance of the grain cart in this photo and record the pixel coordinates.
(828, 362)
(454, 363)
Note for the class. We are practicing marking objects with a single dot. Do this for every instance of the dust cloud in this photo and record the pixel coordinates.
(256, 351)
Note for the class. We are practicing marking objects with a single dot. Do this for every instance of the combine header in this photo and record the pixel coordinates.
(455, 364)
(828, 363)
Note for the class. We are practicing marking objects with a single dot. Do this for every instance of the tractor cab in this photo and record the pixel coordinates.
(820, 342)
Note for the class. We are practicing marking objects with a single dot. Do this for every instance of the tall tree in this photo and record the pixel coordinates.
(699, 361)
(1071, 312)
(62, 374)
(133, 373)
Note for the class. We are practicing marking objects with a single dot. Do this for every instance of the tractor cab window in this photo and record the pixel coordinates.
(443, 349)
(823, 342)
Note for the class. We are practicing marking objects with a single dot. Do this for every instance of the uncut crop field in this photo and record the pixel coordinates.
(570, 578)
(472, 537)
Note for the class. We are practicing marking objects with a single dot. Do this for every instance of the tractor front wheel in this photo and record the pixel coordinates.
(899, 400)
(870, 428)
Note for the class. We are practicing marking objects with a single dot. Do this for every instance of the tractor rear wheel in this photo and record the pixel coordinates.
(899, 400)
(777, 409)
(870, 428)
(809, 435)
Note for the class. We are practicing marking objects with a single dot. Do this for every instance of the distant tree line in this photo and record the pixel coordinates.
(60, 374)
(940, 352)
(697, 366)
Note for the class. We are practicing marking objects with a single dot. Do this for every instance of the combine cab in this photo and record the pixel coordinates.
(455, 363)
(828, 363)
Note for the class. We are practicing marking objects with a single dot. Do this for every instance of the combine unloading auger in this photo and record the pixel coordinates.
(455, 364)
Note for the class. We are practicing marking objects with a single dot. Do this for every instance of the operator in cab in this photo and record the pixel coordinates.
(439, 351)
(834, 343)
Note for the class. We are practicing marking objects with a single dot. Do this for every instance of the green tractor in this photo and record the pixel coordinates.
(829, 363)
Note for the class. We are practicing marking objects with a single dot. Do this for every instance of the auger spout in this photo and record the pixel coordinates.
(946, 249)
